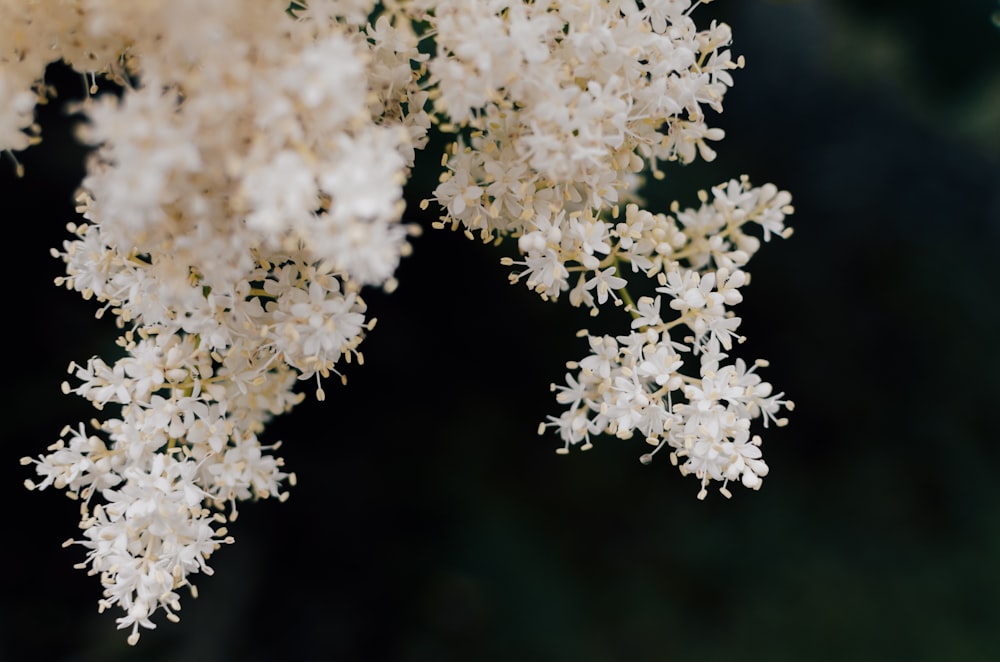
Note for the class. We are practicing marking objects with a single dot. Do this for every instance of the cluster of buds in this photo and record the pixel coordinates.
(245, 187)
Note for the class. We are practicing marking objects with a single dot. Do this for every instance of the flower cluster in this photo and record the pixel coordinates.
(243, 189)
(245, 186)
(560, 107)
(633, 383)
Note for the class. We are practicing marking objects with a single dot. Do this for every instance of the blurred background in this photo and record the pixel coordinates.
(431, 523)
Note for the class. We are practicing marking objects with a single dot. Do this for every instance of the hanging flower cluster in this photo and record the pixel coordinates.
(246, 187)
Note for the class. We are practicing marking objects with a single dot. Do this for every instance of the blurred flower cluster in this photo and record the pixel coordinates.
(246, 186)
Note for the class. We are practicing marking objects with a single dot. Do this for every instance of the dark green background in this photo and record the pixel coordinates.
(431, 523)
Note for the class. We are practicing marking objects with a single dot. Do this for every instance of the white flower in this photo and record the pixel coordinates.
(647, 312)
(660, 363)
(458, 194)
(605, 282)
(604, 355)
